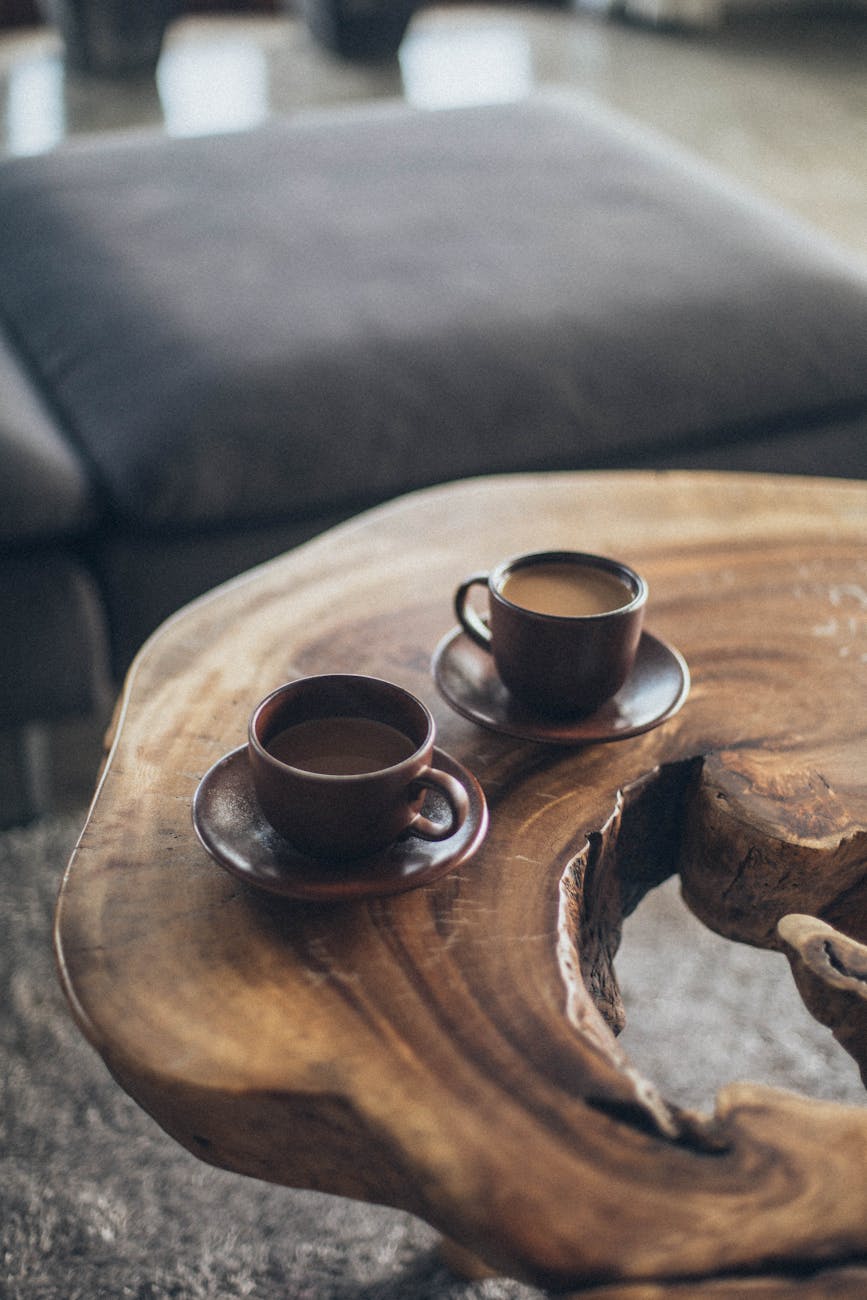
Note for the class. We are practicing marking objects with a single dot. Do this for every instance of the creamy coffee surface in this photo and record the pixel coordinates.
(341, 746)
(566, 589)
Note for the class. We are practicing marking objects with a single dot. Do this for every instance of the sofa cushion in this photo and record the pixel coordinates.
(45, 491)
(54, 638)
(836, 447)
(322, 313)
(145, 578)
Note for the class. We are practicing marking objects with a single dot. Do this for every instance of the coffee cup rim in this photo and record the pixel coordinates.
(343, 678)
(588, 559)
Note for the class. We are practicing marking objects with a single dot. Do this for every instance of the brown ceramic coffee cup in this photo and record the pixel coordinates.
(563, 627)
(341, 764)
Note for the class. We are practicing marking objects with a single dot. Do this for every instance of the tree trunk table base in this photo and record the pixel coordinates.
(452, 1051)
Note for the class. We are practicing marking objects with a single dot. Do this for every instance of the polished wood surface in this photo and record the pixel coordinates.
(453, 1050)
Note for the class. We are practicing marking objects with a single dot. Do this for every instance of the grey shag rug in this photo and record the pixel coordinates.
(96, 1201)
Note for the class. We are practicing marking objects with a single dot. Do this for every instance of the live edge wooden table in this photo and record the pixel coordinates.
(452, 1050)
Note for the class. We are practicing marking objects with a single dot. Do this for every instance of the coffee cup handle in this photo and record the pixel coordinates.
(455, 796)
(473, 624)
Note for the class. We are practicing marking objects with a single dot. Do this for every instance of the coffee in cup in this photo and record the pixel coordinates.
(341, 765)
(563, 627)
(340, 746)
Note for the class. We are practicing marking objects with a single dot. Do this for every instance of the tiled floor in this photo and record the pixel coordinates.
(780, 102)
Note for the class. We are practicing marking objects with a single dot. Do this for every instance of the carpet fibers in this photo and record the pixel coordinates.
(96, 1201)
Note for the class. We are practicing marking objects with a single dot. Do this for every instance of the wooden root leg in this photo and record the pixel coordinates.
(464, 1263)
(830, 970)
(826, 1284)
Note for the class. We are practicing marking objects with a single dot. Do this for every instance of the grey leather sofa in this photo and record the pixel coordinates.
(211, 349)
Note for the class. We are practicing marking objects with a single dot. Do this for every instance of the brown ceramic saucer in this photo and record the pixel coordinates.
(654, 691)
(230, 825)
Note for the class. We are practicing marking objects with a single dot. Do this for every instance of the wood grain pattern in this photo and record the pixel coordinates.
(453, 1051)
(830, 970)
